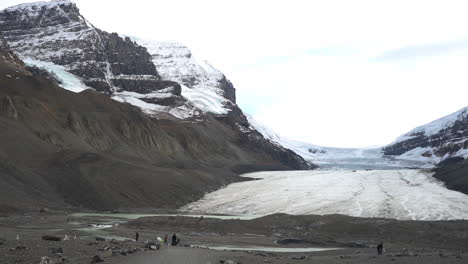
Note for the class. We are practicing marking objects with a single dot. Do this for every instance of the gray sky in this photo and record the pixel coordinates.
(335, 73)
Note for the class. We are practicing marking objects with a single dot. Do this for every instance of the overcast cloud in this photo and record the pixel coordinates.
(335, 73)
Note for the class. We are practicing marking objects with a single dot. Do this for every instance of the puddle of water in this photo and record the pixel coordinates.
(136, 216)
(265, 249)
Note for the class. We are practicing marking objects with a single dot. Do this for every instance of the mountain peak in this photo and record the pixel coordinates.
(34, 6)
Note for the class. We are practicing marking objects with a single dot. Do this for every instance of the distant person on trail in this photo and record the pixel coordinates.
(137, 236)
(174, 240)
(178, 241)
(380, 248)
(165, 239)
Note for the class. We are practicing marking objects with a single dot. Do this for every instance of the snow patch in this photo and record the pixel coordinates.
(206, 100)
(181, 112)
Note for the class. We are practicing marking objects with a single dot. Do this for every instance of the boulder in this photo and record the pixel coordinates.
(51, 238)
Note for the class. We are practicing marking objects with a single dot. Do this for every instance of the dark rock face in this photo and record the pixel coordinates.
(454, 173)
(255, 140)
(450, 139)
(58, 33)
(228, 89)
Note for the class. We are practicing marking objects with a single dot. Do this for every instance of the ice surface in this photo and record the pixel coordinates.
(400, 194)
(136, 216)
(265, 249)
(67, 80)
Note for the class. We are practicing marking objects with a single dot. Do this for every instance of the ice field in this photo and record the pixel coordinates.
(400, 194)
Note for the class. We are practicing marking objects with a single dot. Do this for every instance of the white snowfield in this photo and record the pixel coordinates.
(399, 194)
(200, 81)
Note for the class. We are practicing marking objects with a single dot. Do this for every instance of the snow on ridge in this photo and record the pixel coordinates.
(33, 6)
(434, 127)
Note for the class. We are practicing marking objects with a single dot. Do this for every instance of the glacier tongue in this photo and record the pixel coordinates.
(330, 158)
(67, 80)
(399, 194)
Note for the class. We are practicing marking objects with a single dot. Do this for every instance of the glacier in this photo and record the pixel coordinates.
(398, 194)
(330, 158)
(66, 80)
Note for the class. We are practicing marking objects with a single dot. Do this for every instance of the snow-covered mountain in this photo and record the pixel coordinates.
(163, 79)
(56, 37)
(433, 142)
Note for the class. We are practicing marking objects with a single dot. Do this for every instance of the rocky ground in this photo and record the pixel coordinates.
(81, 240)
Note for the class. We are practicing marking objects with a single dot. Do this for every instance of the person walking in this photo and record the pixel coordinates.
(137, 236)
(174, 240)
(165, 240)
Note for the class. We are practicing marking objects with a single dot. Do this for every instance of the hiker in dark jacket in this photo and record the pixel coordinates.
(380, 248)
(136, 236)
(174, 240)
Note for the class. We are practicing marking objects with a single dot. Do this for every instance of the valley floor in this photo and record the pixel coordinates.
(378, 198)
(356, 238)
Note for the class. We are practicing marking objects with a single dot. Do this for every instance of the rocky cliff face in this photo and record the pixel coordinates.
(441, 139)
(56, 32)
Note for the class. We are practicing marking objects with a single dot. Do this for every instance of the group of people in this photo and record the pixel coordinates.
(175, 239)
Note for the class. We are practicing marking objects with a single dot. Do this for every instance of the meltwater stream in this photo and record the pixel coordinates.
(399, 194)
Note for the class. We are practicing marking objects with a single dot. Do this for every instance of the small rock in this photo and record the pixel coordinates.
(21, 247)
(56, 250)
(45, 260)
(96, 259)
(100, 239)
